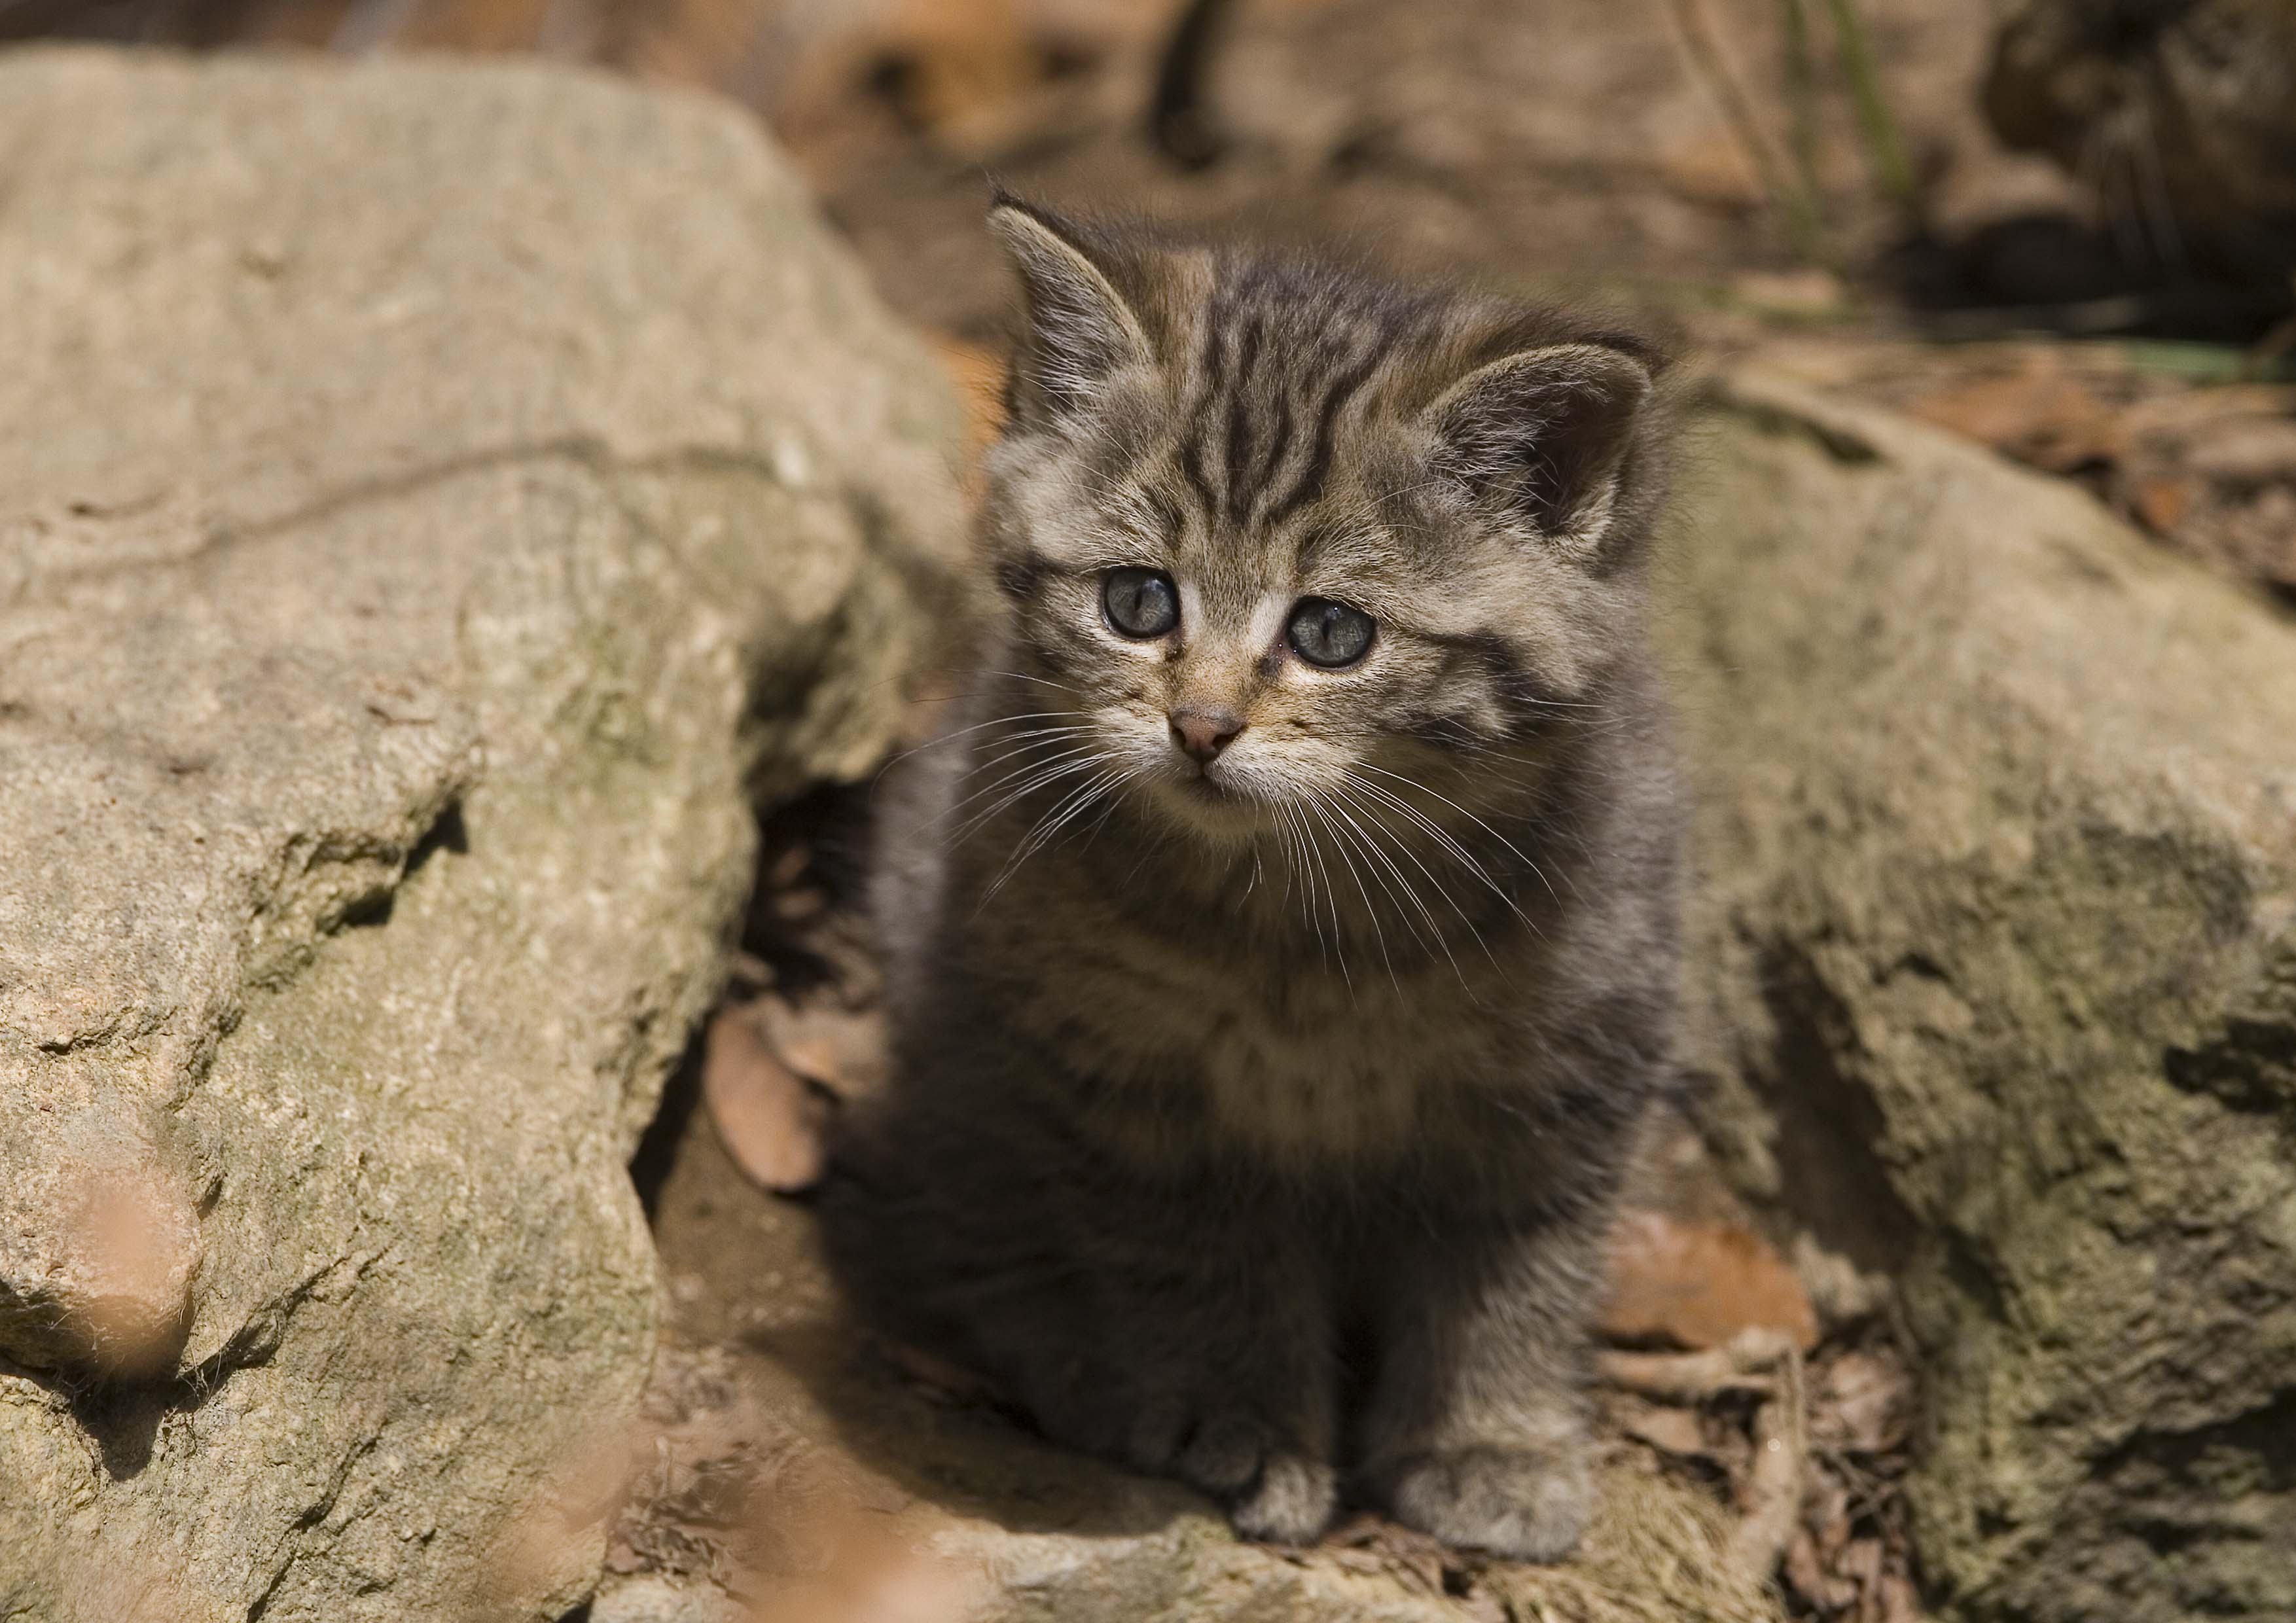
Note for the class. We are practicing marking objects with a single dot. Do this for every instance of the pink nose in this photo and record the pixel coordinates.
(1204, 732)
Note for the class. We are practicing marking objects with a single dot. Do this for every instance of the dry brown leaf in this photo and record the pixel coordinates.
(2040, 414)
(1827, 1517)
(137, 1249)
(1901, 1602)
(1699, 1284)
(843, 1050)
(1807, 1577)
(768, 1119)
(1707, 165)
(2247, 451)
(978, 372)
(1861, 1565)
(1670, 1431)
(2161, 504)
(1866, 1403)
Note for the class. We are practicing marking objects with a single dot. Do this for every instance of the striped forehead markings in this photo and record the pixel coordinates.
(1237, 334)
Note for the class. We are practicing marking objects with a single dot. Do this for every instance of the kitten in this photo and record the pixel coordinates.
(1283, 953)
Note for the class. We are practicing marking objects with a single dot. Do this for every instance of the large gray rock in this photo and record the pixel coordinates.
(1997, 955)
(433, 501)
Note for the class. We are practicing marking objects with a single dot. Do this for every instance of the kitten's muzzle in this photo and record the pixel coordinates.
(1202, 732)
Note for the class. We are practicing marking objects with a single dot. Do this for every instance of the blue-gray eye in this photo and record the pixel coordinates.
(1141, 603)
(1328, 634)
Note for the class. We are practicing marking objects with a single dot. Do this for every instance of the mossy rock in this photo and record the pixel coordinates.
(435, 501)
(1996, 972)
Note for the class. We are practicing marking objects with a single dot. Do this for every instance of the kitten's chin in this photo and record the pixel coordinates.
(1202, 806)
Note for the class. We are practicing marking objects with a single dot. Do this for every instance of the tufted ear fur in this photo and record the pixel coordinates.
(1542, 434)
(1081, 330)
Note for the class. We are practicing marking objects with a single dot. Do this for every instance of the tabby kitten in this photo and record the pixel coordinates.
(1283, 951)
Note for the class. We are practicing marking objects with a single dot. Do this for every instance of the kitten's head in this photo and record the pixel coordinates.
(1276, 534)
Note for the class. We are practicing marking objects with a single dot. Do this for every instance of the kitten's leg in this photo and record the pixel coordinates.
(1477, 1428)
(1212, 1360)
(1172, 1327)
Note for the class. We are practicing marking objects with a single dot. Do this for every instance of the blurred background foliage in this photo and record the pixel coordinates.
(2065, 227)
(2075, 166)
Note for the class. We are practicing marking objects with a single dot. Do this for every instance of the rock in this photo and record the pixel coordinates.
(434, 502)
(1996, 978)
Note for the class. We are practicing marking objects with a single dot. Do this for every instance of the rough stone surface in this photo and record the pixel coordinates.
(1997, 957)
(433, 500)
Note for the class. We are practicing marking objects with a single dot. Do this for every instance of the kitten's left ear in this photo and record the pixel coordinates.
(1543, 433)
(1081, 330)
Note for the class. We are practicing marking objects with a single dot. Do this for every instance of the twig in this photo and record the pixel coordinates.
(1775, 1481)
(1801, 96)
(1695, 1377)
(1884, 147)
(1705, 49)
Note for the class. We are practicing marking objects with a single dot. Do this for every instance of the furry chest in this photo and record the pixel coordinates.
(1318, 1068)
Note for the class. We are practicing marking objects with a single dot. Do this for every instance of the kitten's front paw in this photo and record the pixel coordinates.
(1293, 1502)
(1526, 1504)
(1273, 1492)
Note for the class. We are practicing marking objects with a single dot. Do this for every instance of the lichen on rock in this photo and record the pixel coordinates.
(436, 503)
(1997, 939)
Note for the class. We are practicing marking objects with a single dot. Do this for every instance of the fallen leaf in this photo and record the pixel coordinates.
(766, 1116)
(1805, 294)
(1861, 1565)
(1826, 1514)
(2162, 504)
(1670, 1431)
(1864, 1403)
(1699, 1284)
(1708, 165)
(134, 1248)
(1900, 1604)
(2247, 451)
(841, 1049)
(978, 372)
(2040, 415)
(1808, 1577)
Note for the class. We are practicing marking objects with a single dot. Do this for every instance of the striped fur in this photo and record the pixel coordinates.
(1257, 1121)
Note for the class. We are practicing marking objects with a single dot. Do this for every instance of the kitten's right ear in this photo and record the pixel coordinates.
(1542, 434)
(1081, 331)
